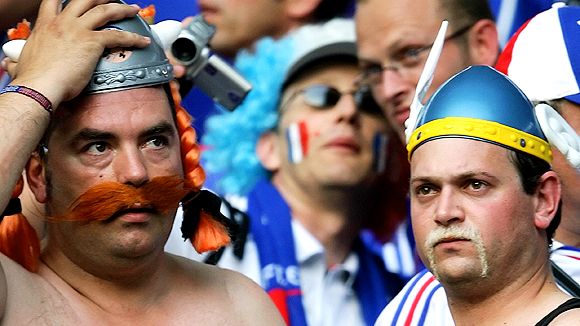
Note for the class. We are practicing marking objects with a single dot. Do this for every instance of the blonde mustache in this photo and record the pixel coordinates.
(460, 233)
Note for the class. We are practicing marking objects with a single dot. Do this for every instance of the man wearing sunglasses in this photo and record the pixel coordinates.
(303, 154)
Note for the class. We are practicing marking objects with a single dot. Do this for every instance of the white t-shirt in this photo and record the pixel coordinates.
(423, 300)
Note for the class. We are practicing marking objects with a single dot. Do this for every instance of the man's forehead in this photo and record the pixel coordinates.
(120, 97)
(451, 156)
(395, 8)
(381, 27)
(325, 73)
(110, 110)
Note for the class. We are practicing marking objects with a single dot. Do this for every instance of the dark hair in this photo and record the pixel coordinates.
(328, 9)
(464, 12)
(530, 170)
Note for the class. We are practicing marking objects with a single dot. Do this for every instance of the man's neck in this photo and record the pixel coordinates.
(332, 216)
(107, 288)
(523, 302)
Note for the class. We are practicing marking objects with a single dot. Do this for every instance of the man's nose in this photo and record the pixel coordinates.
(346, 108)
(130, 167)
(448, 209)
(393, 85)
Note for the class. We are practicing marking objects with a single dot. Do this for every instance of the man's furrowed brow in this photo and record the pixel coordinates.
(454, 178)
(365, 62)
(90, 134)
(161, 128)
(421, 179)
(474, 175)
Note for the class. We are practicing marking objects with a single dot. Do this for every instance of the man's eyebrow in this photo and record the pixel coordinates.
(367, 62)
(91, 134)
(455, 178)
(161, 128)
(474, 174)
(88, 134)
(396, 45)
(422, 179)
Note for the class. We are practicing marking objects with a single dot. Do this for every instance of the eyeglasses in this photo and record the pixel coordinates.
(324, 97)
(406, 60)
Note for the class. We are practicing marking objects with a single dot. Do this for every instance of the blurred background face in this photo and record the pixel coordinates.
(13, 11)
(340, 137)
(398, 34)
(241, 22)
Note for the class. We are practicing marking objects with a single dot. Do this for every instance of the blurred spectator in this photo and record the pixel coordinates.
(13, 11)
(303, 153)
(240, 23)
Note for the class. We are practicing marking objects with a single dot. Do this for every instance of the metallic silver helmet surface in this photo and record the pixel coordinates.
(125, 68)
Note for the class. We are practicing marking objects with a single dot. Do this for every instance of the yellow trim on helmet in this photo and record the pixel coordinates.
(482, 129)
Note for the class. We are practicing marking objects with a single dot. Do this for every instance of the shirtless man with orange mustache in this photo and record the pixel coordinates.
(121, 131)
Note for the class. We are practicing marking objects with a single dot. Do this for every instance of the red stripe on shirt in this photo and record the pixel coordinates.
(416, 300)
(573, 257)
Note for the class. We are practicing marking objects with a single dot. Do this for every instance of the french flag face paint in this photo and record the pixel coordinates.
(297, 137)
(380, 152)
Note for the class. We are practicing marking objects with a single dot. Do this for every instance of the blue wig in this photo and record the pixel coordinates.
(231, 137)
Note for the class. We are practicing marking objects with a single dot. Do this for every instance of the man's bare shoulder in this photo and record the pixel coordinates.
(191, 293)
(570, 317)
(30, 299)
(230, 292)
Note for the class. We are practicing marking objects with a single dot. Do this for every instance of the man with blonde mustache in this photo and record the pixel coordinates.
(528, 60)
(485, 202)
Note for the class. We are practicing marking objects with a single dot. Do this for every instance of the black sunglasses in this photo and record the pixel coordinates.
(325, 97)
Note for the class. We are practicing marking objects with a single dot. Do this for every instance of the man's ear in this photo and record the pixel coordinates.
(268, 151)
(547, 199)
(483, 43)
(35, 176)
(301, 10)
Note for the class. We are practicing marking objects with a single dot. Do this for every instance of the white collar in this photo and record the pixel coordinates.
(308, 248)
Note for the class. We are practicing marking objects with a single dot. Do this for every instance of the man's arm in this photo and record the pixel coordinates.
(57, 62)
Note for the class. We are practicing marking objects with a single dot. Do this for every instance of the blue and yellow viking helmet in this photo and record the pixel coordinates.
(483, 104)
